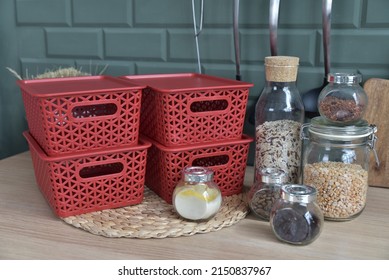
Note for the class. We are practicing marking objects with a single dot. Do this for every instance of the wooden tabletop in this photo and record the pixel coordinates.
(29, 230)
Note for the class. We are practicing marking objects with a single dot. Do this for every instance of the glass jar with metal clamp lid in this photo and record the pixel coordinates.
(336, 162)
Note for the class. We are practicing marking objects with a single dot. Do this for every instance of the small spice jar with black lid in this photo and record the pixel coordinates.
(343, 100)
(296, 218)
(265, 191)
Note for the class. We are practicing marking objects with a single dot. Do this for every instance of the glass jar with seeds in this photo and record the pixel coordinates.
(343, 100)
(266, 191)
(296, 218)
(279, 114)
(336, 162)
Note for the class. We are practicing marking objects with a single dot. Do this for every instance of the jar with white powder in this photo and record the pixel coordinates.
(279, 115)
(196, 196)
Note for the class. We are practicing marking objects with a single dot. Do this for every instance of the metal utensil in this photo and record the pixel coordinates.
(310, 97)
(197, 30)
(236, 38)
(274, 9)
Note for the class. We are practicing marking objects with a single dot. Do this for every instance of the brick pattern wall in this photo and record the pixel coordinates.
(156, 36)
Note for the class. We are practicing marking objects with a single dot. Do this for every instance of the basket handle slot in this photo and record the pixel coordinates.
(102, 169)
(93, 110)
(220, 104)
(216, 159)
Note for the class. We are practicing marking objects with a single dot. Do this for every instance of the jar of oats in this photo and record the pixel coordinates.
(336, 162)
(279, 114)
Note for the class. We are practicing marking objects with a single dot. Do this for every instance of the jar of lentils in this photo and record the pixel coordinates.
(336, 162)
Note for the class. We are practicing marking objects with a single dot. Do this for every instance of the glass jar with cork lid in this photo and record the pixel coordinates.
(279, 114)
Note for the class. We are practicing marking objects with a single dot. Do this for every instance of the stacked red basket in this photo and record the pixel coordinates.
(83, 137)
(193, 119)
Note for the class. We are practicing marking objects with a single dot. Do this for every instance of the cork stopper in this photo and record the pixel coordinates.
(281, 68)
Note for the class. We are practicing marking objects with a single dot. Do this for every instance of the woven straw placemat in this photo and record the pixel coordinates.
(154, 218)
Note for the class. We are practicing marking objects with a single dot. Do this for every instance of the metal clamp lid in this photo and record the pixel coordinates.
(298, 193)
(372, 142)
(323, 129)
(344, 78)
(197, 174)
(272, 175)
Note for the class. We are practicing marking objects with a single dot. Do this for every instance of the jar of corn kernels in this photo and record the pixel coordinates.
(336, 162)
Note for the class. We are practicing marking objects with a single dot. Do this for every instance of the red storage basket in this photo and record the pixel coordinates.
(181, 109)
(66, 115)
(226, 158)
(79, 183)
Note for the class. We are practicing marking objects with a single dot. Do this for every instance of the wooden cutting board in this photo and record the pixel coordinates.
(377, 113)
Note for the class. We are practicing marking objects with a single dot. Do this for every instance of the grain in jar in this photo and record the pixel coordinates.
(263, 193)
(336, 163)
(279, 114)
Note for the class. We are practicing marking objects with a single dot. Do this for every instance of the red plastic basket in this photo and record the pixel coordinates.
(226, 158)
(82, 113)
(181, 109)
(87, 182)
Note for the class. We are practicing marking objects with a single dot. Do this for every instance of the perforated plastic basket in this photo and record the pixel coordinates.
(81, 113)
(226, 158)
(87, 182)
(180, 109)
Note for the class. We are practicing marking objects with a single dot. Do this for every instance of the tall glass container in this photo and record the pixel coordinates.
(279, 114)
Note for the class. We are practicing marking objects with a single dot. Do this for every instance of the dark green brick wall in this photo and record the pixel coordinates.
(156, 36)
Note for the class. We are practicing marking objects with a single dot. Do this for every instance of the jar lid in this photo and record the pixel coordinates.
(272, 175)
(281, 61)
(197, 174)
(298, 193)
(281, 68)
(319, 126)
(344, 78)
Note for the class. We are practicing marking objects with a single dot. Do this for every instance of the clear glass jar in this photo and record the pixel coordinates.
(296, 218)
(265, 191)
(196, 196)
(343, 100)
(336, 162)
(279, 114)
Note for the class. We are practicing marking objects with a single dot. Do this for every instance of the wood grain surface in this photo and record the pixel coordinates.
(29, 230)
(377, 113)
